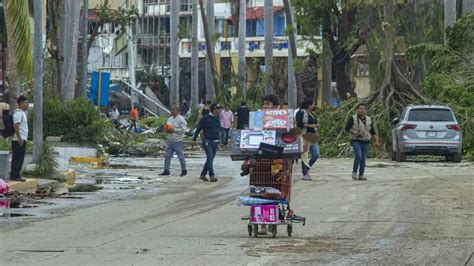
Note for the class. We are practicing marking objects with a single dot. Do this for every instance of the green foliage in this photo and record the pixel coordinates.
(17, 14)
(47, 165)
(450, 79)
(76, 120)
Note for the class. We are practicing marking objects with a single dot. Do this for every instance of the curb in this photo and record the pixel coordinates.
(30, 185)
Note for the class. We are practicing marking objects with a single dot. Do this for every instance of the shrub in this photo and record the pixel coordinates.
(76, 120)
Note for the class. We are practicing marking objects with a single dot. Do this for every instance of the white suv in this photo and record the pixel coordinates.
(427, 130)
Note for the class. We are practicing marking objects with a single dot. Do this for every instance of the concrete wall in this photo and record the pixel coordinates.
(67, 150)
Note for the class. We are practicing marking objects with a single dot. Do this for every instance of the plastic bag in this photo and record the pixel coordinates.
(4, 188)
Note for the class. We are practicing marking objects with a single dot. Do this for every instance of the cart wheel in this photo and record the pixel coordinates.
(255, 230)
(289, 229)
(274, 230)
(250, 229)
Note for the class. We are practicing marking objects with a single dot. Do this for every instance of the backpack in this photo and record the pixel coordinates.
(8, 123)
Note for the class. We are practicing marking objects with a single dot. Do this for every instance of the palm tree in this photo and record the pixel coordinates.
(195, 59)
(292, 53)
(449, 14)
(84, 52)
(242, 69)
(20, 62)
(210, 89)
(71, 37)
(174, 21)
(268, 17)
(38, 74)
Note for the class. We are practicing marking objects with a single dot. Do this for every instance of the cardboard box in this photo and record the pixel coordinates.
(264, 214)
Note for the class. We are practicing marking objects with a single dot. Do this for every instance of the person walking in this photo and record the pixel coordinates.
(177, 127)
(114, 115)
(210, 125)
(133, 118)
(242, 115)
(227, 119)
(361, 128)
(20, 137)
(308, 124)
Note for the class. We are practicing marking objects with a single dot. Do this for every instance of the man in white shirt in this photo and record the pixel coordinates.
(174, 144)
(20, 123)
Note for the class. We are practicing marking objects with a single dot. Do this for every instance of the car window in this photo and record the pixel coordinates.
(431, 114)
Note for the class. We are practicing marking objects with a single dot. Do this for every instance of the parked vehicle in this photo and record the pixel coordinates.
(427, 130)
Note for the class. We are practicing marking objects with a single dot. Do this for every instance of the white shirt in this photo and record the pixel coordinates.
(114, 114)
(19, 116)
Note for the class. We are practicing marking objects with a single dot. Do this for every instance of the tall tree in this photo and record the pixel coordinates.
(84, 52)
(71, 38)
(343, 26)
(449, 14)
(295, 90)
(38, 83)
(210, 89)
(210, 56)
(268, 18)
(20, 63)
(174, 22)
(242, 68)
(195, 58)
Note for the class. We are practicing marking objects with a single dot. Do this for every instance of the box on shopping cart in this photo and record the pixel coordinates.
(264, 214)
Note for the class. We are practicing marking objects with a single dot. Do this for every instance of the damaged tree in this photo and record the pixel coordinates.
(396, 89)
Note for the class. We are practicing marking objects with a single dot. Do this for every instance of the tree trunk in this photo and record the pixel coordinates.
(11, 74)
(71, 36)
(344, 86)
(467, 7)
(242, 69)
(210, 89)
(38, 86)
(292, 53)
(268, 18)
(326, 65)
(82, 79)
(195, 59)
(174, 22)
(449, 14)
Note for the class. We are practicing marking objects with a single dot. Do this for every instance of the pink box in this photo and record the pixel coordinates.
(264, 214)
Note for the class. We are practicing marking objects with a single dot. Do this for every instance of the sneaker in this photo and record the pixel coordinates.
(363, 178)
(166, 172)
(354, 176)
(306, 177)
(203, 178)
(212, 179)
(184, 173)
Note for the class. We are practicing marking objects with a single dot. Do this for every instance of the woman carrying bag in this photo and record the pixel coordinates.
(308, 124)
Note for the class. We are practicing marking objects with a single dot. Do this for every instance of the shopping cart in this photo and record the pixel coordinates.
(269, 198)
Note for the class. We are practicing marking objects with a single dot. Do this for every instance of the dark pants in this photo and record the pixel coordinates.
(18, 156)
(133, 124)
(210, 147)
(225, 135)
(361, 149)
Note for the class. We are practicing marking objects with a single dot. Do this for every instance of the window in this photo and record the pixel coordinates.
(431, 115)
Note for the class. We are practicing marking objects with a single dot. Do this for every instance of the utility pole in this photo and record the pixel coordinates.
(174, 56)
(85, 56)
(268, 18)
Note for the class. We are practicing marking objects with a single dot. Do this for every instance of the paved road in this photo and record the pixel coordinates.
(411, 213)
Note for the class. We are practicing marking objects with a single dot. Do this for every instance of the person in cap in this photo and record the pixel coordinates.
(20, 123)
(211, 126)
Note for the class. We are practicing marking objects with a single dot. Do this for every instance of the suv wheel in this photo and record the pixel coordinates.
(456, 157)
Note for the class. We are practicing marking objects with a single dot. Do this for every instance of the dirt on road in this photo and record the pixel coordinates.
(410, 213)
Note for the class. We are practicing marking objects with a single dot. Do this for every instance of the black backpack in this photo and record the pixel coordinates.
(8, 123)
